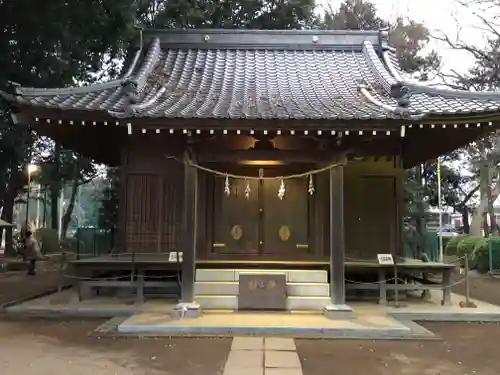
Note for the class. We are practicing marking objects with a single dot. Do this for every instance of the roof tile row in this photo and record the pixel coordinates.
(256, 83)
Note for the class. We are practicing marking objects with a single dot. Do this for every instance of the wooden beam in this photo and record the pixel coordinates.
(242, 156)
(312, 125)
(426, 144)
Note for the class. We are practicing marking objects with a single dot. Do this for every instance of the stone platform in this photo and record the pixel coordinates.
(266, 324)
(153, 318)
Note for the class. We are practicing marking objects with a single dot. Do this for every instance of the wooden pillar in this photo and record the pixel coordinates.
(187, 306)
(338, 308)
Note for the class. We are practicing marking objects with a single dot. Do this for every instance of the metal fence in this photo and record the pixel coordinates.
(488, 260)
(430, 246)
(93, 242)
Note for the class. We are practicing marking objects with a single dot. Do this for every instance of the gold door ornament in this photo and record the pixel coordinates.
(284, 233)
(236, 232)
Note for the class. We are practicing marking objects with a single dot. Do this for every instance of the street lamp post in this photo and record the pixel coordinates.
(31, 168)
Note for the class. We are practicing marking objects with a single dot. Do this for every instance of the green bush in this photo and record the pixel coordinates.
(480, 257)
(451, 246)
(49, 240)
(467, 246)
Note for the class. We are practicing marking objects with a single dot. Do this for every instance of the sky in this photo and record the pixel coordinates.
(439, 16)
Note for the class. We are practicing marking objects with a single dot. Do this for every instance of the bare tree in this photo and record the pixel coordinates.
(483, 75)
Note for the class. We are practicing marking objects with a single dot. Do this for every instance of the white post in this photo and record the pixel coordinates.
(37, 206)
(60, 213)
(440, 208)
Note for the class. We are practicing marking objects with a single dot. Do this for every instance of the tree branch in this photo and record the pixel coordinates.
(469, 196)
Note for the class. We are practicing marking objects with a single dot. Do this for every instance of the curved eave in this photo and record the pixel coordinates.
(435, 91)
(32, 91)
(428, 105)
(461, 117)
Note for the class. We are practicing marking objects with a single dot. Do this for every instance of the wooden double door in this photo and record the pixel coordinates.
(260, 223)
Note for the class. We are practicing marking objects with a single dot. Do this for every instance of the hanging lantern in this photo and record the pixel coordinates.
(310, 188)
(281, 190)
(227, 190)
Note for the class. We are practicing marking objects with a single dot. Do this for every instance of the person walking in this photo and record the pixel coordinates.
(32, 252)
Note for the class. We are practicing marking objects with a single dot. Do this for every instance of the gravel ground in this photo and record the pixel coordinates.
(48, 347)
(482, 287)
(43, 347)
(466, 349)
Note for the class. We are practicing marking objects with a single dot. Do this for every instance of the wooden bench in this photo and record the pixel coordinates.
(405, 271)
(85, 287)
(89, 273)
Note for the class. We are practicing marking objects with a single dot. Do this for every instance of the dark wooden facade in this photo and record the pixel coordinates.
(262, 227)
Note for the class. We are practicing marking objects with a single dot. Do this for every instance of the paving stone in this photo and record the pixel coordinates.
(275, 343)
(245, 358)
(282, 371)
(247, 343)
(246, 371)
(281, 359)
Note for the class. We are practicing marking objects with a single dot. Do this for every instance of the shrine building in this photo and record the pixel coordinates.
(255, 151)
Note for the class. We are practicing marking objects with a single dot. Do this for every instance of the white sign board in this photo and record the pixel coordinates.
(385, 259)
(172, 256)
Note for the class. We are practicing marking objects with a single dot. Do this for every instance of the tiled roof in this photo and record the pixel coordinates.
(262, 75)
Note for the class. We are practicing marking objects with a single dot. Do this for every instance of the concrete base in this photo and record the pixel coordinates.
(265, 324)
(342, 312)
(186, 310)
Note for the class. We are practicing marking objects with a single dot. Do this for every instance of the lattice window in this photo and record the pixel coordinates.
(154, 210)
(173, 196)
(143, 213)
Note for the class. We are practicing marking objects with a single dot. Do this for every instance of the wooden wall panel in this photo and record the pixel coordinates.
(152, 201)
(173, 195)
(370, 209)
(143, 213)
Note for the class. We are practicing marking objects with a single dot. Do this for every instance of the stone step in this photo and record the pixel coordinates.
(292, 276)
(231, 302)
(228, 288)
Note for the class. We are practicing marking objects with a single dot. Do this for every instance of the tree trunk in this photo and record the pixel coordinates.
(420, 220)
(487, 194)
(8, 215)
(71, 205)
(8, 210)
(481, 208)
(55, 190)
(491, 211)
(486, 228)
(45, 207)
(465, 221)
(3, 191)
